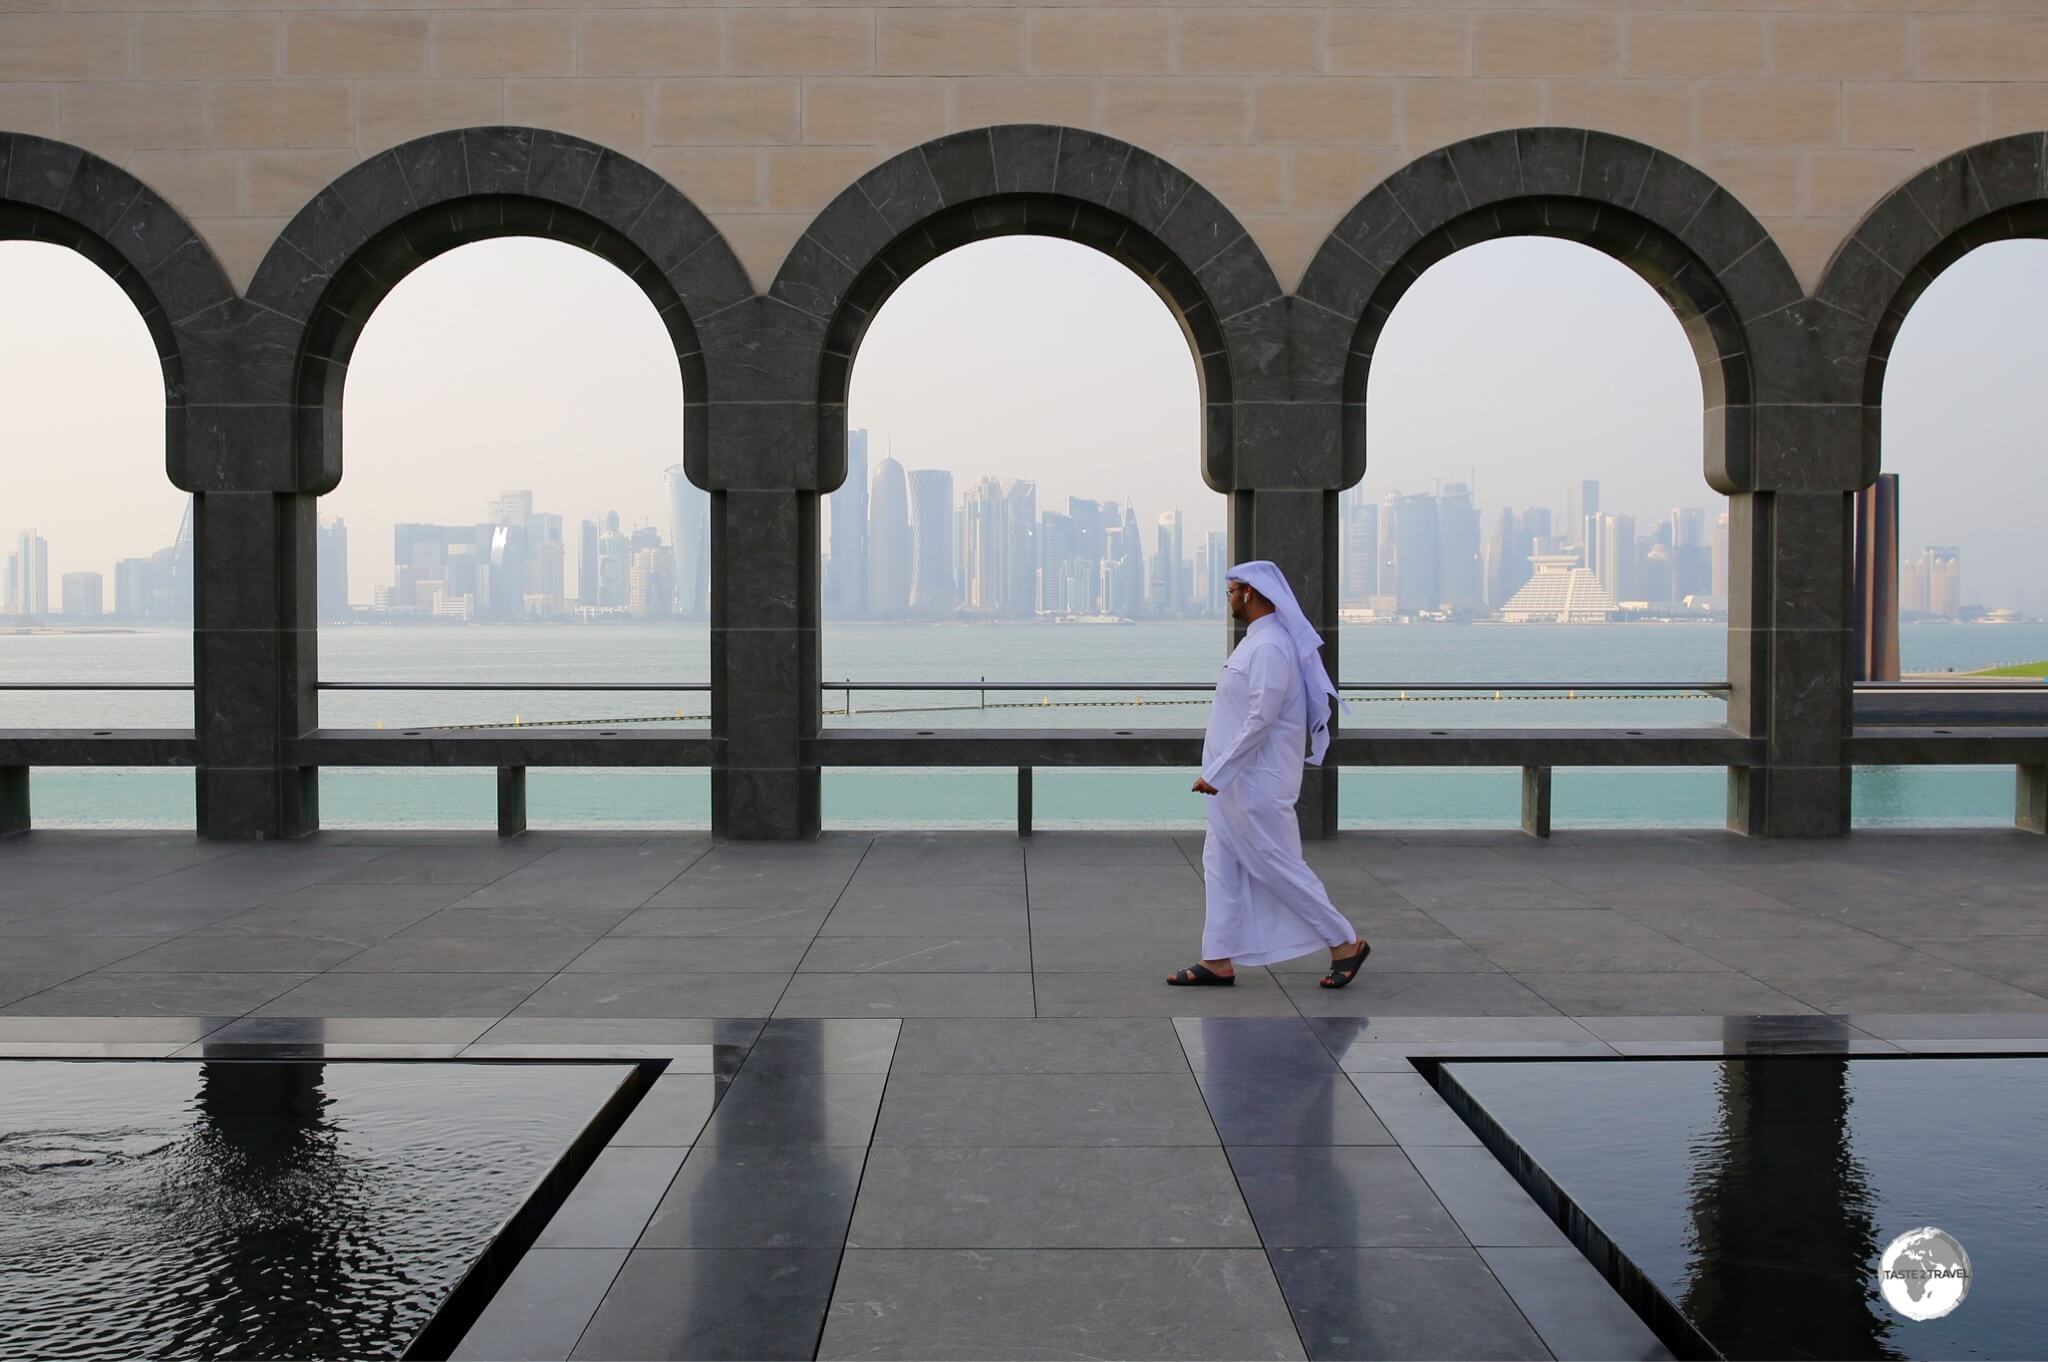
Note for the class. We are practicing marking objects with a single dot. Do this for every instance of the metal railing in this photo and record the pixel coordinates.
(1997, 721)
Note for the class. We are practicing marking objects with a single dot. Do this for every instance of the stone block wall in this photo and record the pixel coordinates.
(1808, 111)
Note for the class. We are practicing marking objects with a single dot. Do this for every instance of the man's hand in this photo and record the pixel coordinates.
(1204, 787)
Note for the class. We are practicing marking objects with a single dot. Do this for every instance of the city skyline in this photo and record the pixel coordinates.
(489, 363)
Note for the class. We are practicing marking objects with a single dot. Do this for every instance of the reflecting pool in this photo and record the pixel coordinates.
(1753, 1198)
(241, 1209)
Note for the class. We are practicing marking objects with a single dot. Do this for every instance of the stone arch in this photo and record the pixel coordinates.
(1994, 191)
(1771, 445)
(1046, 181)
(57, 193)
(321, 280)
(1689, 238)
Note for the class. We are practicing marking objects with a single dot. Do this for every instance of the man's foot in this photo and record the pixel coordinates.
(1200, 973)
(1344, 963)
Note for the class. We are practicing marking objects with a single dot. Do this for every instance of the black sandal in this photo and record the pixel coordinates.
(1344, 971)
(1199, 973)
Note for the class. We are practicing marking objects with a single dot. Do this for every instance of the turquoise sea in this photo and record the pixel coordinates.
(1149, 652)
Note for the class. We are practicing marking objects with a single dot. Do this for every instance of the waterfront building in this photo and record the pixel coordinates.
(1055, 563)
(982, 571)
(888, 542)
(650, 582)
(1216, 552)
(1170, 598)
(1020, 547)
(1559, 591)
(932, 555)
(1359, 526)
(81, 595)
(614, 565)
(1616, 560)
(587, 573)
(1459, 581)
(1411, 558)
(1945, 582)
(28, 576)
(1582, 502)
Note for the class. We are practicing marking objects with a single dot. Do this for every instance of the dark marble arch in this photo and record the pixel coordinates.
(1741, 307)
(253, 384)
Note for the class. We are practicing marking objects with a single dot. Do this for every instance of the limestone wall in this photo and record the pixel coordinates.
(1808, 110)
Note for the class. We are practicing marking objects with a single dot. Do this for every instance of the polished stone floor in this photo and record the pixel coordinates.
(926, 1095)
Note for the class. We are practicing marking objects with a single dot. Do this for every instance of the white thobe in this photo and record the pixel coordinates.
(1264, 902)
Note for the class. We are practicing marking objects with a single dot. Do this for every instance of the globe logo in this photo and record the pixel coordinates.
(1924, 1273)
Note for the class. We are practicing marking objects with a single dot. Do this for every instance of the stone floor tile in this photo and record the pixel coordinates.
(1411, 1110)
(613, 1199)
(237, 952)
(405, 995)
(759, 1196)
(1335, 1196)
(1425, 995)
(1040, 1046)
(1437, 954)
(1477, 921)
(796, 1109)
(1571, 955)
(737, 1304)
(1800, 1030)
(1289, 1108)
(672, 1113)
(32, 1027)
(1419, 1302)
(1933, 988)
(798, 923)
(716, 1031)
(458, 1031)
(1340, 1033)
(690, 955)
(1950, 1026)
(655, 995)
(1489, 1205)
(542, 1308)
(1255, 994)
(64, 957)
(1571, 1306)
(1585, 995)
(926, 920)
(918, 954)
(1047, 1303)
(880, 994)
(933, 1198)
(174, 995)
(837, 1045)
(1252, 1046)
(484, 952)
(1043, 1110)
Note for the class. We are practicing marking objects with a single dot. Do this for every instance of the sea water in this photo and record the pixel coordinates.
(1018, 651)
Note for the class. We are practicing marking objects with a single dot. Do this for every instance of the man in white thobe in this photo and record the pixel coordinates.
(1271, 716)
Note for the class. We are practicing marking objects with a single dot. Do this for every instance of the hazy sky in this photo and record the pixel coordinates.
(529, 364)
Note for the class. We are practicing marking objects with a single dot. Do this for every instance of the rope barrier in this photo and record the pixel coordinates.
(1136, 702)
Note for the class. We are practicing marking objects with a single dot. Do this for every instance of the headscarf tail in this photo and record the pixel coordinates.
(1266, 578)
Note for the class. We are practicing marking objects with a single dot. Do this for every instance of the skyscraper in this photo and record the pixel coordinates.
(1359, 524)
(614, 565)
(1055, 563)
(1616, 559)
(1721, 555)
(982, 573)
(1507, 560)
(1217, 552)
(81, 595)
(1945, 582)
(1170, 549)
(1458, 575)
(1132, 565)
(689, 520)
(846, 582)
(1020, 547)
(931, 539)
(587, 590)
(1692, 556)
(1410, 553)
(330, 556)
(1582, 501)
(889, 561)
(28, 576)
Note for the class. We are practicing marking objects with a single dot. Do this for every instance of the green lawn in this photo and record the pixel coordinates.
(2039, 669)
